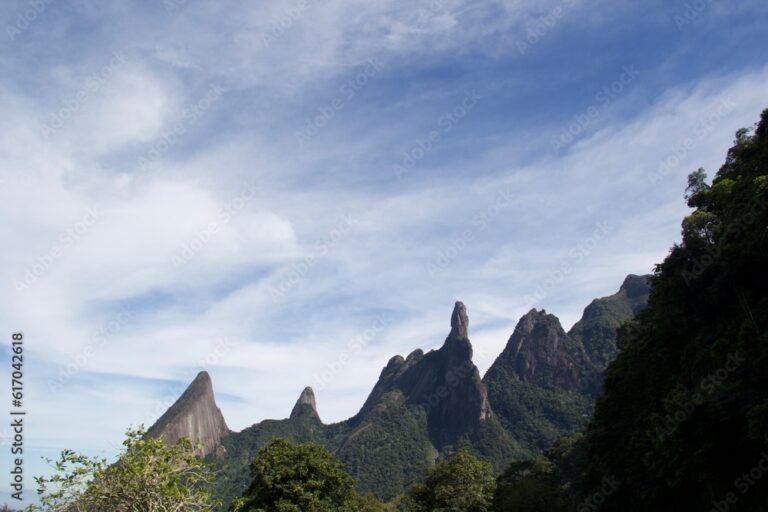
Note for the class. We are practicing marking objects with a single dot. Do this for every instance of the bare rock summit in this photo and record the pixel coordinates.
(305, 405)
(194, 415)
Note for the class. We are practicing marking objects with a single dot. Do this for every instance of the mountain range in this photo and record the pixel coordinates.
(542, 387)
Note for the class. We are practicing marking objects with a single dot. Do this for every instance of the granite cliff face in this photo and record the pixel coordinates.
(195, 416)
(542, 353)
(543, 385)
(445, 382)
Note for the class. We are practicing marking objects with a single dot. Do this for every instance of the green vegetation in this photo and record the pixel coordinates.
(681, 424)
(537, 415)
(684, 413)
(388, 446)
(558, 400)
(301, 478)
(240, 448)
(385, 452)
(148, 476)
(387, 449)
(462, 483)
(597, 328)
(544, 483)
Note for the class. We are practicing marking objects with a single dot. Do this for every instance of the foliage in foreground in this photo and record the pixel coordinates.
(149, 476)
(301, 478)
(462, 483)
(682, 423)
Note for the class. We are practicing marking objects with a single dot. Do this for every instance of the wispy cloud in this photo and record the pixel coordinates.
(202, 214)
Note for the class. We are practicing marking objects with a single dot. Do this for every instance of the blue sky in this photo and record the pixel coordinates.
(258, 188)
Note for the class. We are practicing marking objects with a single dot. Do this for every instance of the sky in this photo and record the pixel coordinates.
(288, 193)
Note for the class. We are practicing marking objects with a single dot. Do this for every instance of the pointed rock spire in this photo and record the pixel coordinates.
(445, 382)
(306, 404)
(195, 416)
(457, 346)
(459, 321)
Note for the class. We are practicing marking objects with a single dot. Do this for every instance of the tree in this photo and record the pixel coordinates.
(366, 503)
(681, 424)
(297, 478)
(462, 483)
(697, 187)
(149, 476)
(528, 486)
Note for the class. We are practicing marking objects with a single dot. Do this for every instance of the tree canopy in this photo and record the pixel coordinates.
(301, 478)
(148, 476)
(461, 483)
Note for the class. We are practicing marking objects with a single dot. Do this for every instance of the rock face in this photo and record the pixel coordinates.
(459, 321)
(195, 416)
(305, 405)
(542, 353)
(597, 327)
(544, 383)
(445, 382)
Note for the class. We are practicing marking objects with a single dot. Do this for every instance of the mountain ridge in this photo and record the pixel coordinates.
(428, 405)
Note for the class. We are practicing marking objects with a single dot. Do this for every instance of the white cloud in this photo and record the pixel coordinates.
(191, 286)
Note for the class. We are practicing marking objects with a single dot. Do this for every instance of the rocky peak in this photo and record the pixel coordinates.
(457, 347)
(445, 382)
(395, 363)
(194, 415)
(305, 405)
(635, 287)
(597, 328)
(539, 351)
(459, 321)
